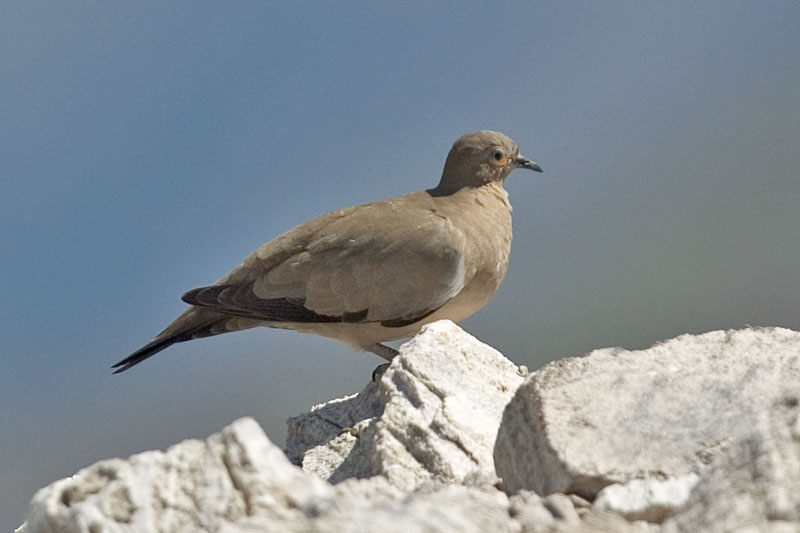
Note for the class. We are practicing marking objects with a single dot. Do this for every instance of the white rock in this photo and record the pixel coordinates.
(580, 424)
(431, 419)
(193, 485)
(445, 509)
(237, 481)
(756, 486)
(433, 416)
(646, 499)
(413, 452)
(558, 513)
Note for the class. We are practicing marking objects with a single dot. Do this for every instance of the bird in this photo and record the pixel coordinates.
(374, 272)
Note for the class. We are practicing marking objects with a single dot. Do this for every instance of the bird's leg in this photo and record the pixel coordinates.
(383, 351)
(386, 352)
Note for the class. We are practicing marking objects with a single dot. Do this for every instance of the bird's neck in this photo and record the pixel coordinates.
(449, 187)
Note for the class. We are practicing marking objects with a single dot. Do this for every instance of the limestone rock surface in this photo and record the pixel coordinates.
(756, 486)
(580, 424)
(432, 416)
(699, 433)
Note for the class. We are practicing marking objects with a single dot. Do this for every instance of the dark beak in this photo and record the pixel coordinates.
(523, 162)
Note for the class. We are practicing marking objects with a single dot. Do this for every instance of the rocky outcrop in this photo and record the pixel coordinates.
(700, 433)
(412, 426)
(580, 424)
(756, 485)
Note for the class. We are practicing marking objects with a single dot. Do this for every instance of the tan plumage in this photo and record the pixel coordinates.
(373, 272)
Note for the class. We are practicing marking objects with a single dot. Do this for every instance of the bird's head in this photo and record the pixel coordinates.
(479, 158)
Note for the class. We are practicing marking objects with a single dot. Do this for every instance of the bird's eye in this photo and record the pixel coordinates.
(499, 158)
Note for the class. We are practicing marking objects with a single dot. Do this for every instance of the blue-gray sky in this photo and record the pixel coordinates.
(147, 147)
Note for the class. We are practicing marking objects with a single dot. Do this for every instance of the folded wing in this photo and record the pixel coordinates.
(348, 269)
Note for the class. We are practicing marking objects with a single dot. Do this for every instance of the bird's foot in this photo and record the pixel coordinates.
(379, 370)
(385, 352)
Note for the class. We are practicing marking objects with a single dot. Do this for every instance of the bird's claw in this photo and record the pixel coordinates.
(379, 370)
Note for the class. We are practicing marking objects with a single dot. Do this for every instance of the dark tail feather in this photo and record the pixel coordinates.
(148, 350)
(153, 347)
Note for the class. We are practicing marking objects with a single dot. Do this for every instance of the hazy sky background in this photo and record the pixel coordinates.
(147, 147)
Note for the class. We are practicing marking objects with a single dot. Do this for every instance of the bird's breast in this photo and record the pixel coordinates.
(487, 232)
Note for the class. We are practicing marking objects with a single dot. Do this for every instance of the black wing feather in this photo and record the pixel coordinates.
(241, 300)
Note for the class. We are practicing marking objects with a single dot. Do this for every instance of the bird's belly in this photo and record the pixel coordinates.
(363, 335)
(366, 334)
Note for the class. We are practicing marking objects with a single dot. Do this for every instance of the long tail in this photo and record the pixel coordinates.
(192, 324)
(150, 349)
